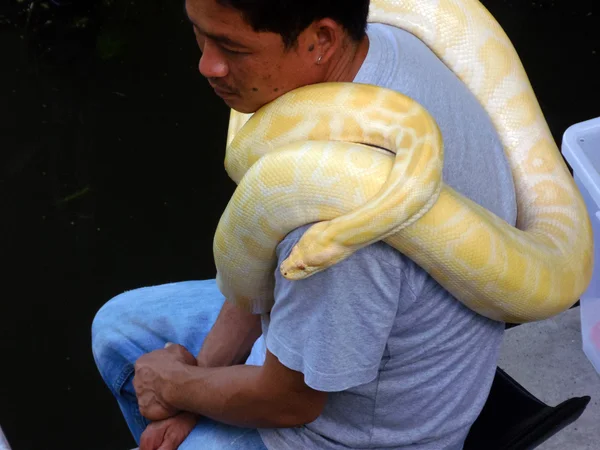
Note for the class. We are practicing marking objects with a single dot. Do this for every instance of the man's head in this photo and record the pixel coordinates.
(253, 51)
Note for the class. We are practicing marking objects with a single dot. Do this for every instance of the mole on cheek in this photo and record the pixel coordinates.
(311, 48)
(276, 89)
(255, 89)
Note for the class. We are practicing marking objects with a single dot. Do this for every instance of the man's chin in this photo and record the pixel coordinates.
(238, 105)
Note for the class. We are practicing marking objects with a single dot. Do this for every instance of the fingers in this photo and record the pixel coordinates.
(152, 438)
(182, 353)
(173, 438)
(169, 444)
(177, 431)
(156, 411)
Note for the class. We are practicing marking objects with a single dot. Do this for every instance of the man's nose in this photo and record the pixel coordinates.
(212, 64)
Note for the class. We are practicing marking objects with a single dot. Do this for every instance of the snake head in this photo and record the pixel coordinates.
(313, 253)
(294, 267)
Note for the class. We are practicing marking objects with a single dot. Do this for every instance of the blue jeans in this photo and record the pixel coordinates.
(142, 320)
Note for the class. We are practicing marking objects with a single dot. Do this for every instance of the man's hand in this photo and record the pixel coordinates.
(153, 373)
(168, 434)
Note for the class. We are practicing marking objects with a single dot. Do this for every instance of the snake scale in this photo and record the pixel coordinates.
(363, 164)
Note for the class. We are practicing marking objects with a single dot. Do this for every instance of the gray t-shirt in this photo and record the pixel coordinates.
(407, 366)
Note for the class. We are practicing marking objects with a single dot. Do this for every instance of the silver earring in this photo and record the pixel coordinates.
(319, 60)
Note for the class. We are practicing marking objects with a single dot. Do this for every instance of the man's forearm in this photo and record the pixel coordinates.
(234, 395)
(231, 338)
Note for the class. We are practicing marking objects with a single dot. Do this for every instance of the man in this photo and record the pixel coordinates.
(371, 353)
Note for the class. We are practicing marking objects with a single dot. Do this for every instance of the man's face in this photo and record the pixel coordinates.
(247, 69)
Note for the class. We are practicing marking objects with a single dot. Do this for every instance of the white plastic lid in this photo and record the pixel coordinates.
(581, 149)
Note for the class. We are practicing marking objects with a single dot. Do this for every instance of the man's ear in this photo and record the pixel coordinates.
(330, 38)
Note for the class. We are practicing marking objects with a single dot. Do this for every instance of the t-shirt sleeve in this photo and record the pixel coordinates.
(334, 326)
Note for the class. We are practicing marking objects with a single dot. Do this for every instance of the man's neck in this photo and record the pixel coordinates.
(349, 62)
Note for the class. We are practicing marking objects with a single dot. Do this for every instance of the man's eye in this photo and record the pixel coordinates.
(233, 52)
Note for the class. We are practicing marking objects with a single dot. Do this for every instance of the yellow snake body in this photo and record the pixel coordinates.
(318, 154)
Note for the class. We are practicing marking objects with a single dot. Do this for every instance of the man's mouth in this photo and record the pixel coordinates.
(223, 92)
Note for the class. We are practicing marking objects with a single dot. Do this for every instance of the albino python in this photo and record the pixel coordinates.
(311, 156)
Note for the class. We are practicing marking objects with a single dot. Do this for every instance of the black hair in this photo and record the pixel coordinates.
(289, 18)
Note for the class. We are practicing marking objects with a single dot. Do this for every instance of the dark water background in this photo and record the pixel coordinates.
(111, 178)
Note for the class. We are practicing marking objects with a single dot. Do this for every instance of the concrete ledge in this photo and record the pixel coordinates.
(547, 359)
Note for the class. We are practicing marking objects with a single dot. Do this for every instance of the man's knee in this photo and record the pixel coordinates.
(142, 320)
(109, 329)
(131, 324)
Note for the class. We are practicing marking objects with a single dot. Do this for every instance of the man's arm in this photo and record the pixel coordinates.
(271, 396)
(231, 338)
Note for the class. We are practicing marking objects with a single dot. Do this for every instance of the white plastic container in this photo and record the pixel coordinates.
(581, 149)
(3, 442)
